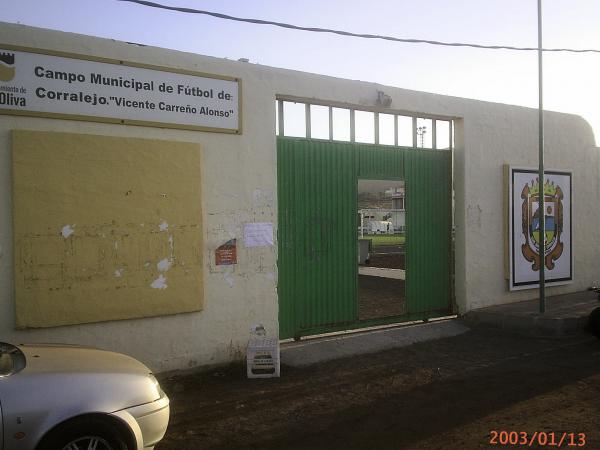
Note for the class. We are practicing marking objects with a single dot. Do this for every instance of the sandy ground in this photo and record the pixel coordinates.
(447, 394)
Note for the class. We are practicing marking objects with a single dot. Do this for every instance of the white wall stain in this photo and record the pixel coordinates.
(119, 273)
(256, 196)
(159, 283)
(67, 230)
(171, 246)
(474, 213)
(164, 265)
(163, 226)
(116, 245)
(270, 276)
(262, 197)
(228, 279)
(233, 229)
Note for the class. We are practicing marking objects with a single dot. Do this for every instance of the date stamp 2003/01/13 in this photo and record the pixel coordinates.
(537, 438)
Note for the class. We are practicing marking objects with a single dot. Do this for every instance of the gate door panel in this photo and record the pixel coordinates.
(428, 229)
(317, 236)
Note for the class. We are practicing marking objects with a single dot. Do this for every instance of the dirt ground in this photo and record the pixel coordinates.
(449, 394)
(389, 260)
(382, 297)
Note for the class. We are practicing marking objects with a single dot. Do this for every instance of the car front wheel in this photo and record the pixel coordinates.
(84, 434)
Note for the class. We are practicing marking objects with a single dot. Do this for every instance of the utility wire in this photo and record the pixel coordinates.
(348, 33)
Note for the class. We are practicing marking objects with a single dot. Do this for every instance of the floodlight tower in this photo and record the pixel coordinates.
(421, 133)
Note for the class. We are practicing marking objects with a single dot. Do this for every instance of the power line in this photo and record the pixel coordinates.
(348, 33)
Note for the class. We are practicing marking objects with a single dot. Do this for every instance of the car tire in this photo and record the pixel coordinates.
(80, 433)
(595, 322)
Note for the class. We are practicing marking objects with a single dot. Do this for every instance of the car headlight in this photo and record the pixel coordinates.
(156, 385)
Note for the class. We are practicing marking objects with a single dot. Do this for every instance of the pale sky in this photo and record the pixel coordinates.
(570, 80)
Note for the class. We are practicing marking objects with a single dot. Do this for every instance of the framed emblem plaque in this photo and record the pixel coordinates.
(524, 228)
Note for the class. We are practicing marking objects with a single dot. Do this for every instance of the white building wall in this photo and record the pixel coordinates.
(239, 185)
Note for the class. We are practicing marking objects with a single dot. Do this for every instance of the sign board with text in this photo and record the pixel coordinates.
(65, 86)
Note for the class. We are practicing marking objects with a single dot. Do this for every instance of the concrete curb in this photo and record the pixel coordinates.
(565, 315)
(536, 325)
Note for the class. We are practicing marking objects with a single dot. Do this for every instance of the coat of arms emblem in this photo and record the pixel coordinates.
(7, 66)
(531, 220)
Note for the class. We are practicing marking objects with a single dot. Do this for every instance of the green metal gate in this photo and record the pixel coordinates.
(317, 201)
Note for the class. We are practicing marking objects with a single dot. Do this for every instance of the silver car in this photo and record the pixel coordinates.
(61, 397)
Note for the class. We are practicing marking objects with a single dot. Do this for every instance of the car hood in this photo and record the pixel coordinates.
(79, 379)
(59, 382)
(60, 358)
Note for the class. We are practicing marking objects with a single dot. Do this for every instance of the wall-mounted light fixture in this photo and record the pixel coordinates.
(383, 99)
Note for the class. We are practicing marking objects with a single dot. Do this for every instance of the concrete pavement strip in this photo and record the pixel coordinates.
(305, 353)
(383, 272)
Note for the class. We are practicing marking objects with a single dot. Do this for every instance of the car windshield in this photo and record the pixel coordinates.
(12, 360)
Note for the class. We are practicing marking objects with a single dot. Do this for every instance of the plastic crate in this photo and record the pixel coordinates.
(262, 358)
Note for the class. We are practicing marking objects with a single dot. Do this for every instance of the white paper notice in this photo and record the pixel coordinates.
(258, 234)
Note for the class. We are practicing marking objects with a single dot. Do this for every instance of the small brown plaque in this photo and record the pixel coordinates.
(226, 254)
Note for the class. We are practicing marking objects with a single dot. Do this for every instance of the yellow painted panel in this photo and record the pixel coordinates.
(101, 225)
